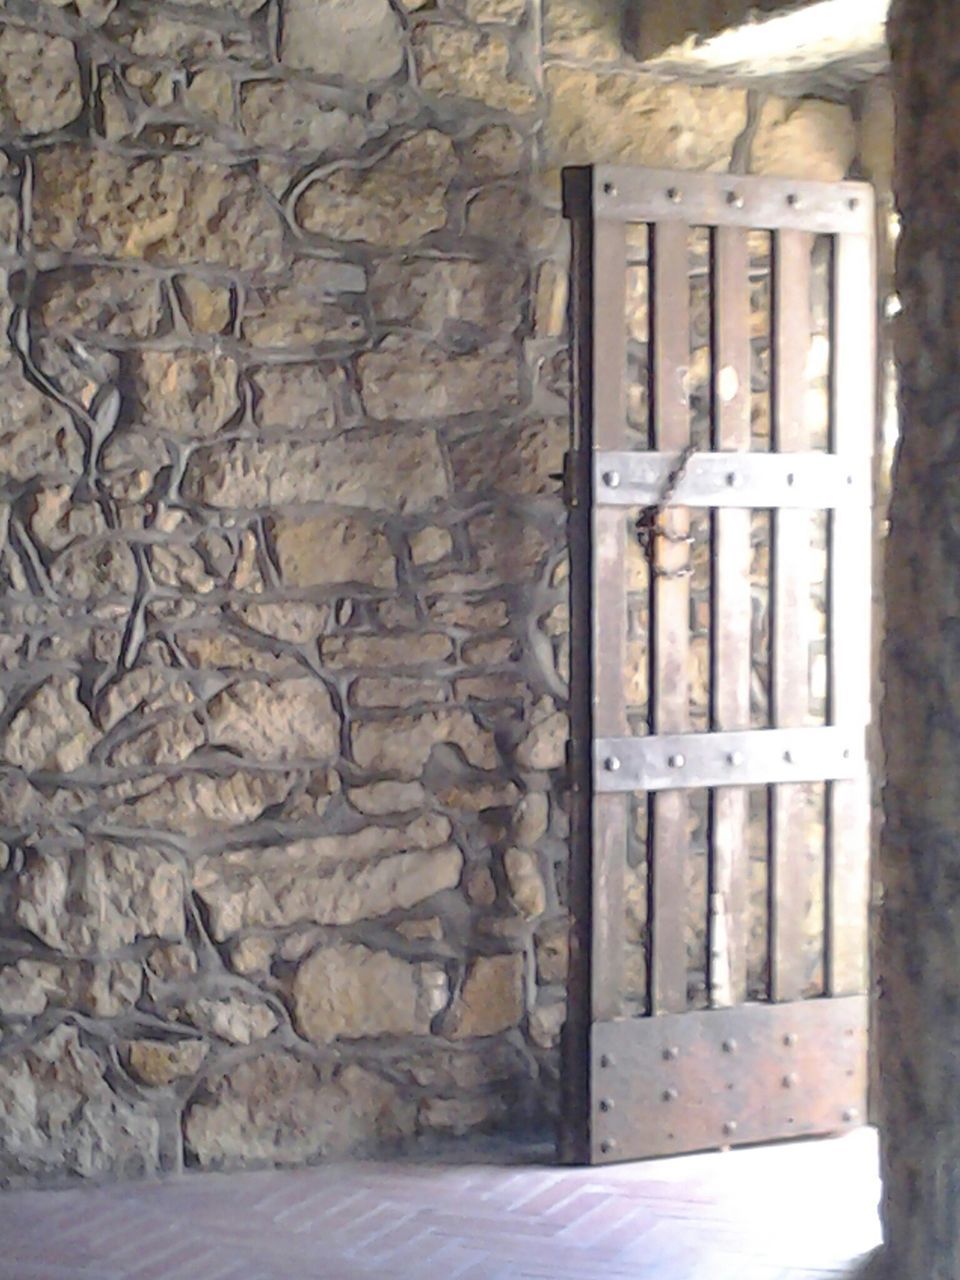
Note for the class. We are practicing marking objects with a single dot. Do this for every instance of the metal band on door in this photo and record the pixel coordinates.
(650, 1072)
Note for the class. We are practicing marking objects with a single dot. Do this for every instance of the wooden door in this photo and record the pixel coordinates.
(720, 492)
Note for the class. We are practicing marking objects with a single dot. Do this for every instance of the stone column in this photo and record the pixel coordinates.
(919, 944)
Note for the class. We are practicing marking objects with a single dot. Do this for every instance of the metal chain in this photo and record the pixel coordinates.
(647, 521)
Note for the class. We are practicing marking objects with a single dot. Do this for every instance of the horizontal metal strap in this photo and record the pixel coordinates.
(818, 481)
(721, 200)
(754, 758)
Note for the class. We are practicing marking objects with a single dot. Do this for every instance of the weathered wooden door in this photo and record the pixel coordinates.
(720, 491)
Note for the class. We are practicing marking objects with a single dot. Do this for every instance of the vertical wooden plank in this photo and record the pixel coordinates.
(610, 812)
(790, 603)
(848, 813)
(670, 693)
(730, 686)
(576, 1111)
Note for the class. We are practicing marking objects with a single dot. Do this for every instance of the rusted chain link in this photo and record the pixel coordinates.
(648, 520)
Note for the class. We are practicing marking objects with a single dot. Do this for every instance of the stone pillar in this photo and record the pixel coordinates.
(919, 944)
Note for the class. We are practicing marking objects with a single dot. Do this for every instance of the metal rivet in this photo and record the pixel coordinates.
(850, 1115)
(730, 1126)
(790, 1080)
(735, 199)
(606, 1060)
(846, 753)
(606, 1104)
(732, 479)
(788, 757)
(793, 200)
(671, 1053)
(735, 758)
(791, 478)
(611, 479)
(670, 1095)
(677, 761)
(674, 195)
(790, 1039)
(729, 1046)
(609, 189)
(611, 764)
(853, 203)
(607, 1145)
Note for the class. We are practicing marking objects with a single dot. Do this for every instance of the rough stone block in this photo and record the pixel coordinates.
(357, 40)
(291, 720)
(332, 548)
(627, 118)
(279, 1109)
(397, 201)
(101, 898)
(171, 208)
(351, 992)
(491, 999)
(59, 1117)
(457, 62)
(41, 81)
(399, 471)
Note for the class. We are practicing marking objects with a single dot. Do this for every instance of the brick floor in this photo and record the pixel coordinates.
(799, 1211)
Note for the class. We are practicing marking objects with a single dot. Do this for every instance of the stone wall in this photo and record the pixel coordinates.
(283, 643)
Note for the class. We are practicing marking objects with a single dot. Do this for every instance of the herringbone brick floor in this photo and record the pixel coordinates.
(803, 1211)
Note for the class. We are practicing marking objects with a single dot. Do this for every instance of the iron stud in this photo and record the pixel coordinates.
(607, 1145)
(729, 1046)
(606, 1104)
(671, 1053)
(730, 1126)
(790, 1080)
(850, 1115)
(611, 479)
(677, 761)
(735, 758)
(674, 195)
(670, 1095)
(790, 1039)
(735, 199)
(606, 1060)
(611, 764)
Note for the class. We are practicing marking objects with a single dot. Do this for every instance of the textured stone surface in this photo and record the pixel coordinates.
(352, 992)
(806, 139)
(291, 720)
(41, 81)
(61, 1117)
(403, 472)
(158, 1063)
(491, 999)
(635, 119)
(395, 202)
(284, 368)
(354, 39)
(101, 899)
(281, 887)
(457, 62)
(330, 548)
(280, 1109)
(172, 208)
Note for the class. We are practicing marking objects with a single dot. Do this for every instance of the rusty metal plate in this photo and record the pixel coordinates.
(817, 481)
(725, 1077)
(756, 757)
(723, 200)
